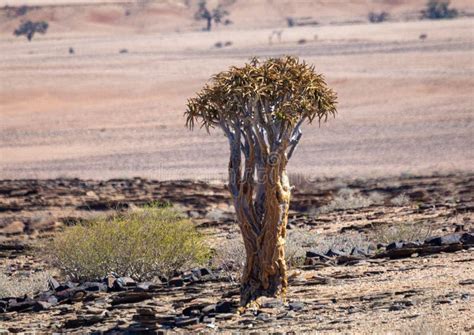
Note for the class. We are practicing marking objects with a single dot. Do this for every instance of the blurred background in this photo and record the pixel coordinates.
(97, 89)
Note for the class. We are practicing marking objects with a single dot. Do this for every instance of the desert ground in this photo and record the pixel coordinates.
(91, 123)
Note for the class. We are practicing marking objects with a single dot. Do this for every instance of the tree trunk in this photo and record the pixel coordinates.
(265, 268)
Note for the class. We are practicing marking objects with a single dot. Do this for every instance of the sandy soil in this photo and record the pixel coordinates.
(406, 104)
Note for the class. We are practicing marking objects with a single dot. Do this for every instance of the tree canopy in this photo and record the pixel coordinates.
(278, 90)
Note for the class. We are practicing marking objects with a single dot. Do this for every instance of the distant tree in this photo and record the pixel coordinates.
(378, 17)
(29, 28)
(439, 9)
(216, 15)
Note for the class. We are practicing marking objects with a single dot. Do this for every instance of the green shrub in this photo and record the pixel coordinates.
(143, 243)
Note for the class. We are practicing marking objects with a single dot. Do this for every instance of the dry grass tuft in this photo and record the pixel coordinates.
(408, 232)
(20, 285)
(350, 199)
(401, 200)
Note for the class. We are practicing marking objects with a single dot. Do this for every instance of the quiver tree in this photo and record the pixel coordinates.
(216, 15)
(261, 108)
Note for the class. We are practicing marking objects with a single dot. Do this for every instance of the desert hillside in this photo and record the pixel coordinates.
(118, 76)
(109, 17)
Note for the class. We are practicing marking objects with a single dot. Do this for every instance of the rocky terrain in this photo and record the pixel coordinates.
(407, 287)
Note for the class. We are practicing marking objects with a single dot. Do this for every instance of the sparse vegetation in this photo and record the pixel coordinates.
(409, 232)
(30, 28)
(400, 200)
(350, 199)
(215, 15)
(230, 255)
(439, 9)
(377, 17)
(20, 285)
(142, 244)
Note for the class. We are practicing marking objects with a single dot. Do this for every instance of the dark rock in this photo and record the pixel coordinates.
(176, 282)
(264, 317)
(381, 246)
(185, 321)
(444, 240)
(467, 282)
(41, 306)
(467, 239)
(83, 321)
(202, 272)
(270, 302)
(190, 278)
(193, 309)
(94, 287)
(71, 294)
(145, 286)
(315, 254)
(358, 252)
(24, 306)
(125, 282)
(394, 245)
(413, 244)
(3, 306)
(130, 297)
(224, 316)
(66, 286)
(397, 307)
(224, 307)
(53, 283)
(296, 306)
(165, 319)
(209, 309)
(334, 253)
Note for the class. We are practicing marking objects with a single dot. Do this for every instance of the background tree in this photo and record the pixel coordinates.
(261, 108)
(216, 15)
(439, 9)
(29, 28)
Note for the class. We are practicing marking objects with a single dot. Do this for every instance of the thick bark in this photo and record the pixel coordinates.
(265, 268)
(259, 151)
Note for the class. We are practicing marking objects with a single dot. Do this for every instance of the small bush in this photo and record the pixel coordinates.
(20, 285)
(30, 28)
(439, 9)
(400, 200)
(230, 257)
(377, 17)
(350, 199)
(143, 243)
